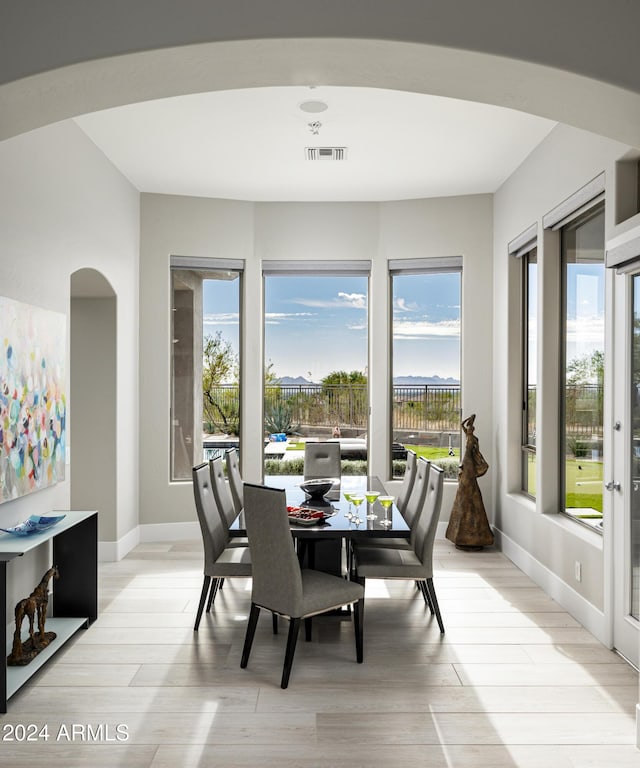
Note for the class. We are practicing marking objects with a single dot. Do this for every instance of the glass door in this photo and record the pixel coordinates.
(624, 485)
(633, 574)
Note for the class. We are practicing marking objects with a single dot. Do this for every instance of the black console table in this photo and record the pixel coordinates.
(75, 593)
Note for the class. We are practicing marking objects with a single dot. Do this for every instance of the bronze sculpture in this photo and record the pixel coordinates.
(33, 606)
(468, 525)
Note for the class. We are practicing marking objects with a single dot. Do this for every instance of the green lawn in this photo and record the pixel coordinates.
(584, 484)
(430, 452)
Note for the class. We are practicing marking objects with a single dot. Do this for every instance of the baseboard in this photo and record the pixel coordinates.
(112, 551)
(582, 610)
(159, 532)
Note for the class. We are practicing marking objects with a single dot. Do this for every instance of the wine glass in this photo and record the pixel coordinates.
(386, 502)
(357, 499)
(347, 497)
(371, 497)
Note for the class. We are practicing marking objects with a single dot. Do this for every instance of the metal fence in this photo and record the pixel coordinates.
(418, 408)
(428, 408)
(583, 410)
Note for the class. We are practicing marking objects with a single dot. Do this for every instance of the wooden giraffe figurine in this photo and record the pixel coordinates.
(35, 604)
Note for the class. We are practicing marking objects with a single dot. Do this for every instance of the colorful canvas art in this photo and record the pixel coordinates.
(32, 398)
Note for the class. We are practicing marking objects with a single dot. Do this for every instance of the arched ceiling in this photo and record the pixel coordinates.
(575, 62)
(254, 144)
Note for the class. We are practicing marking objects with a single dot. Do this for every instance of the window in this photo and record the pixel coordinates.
(425, 387)
(529, 372)
(205, 374)
(316, 362)
(582, 373)
(634, 453)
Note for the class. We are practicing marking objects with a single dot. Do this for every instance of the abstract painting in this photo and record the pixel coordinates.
(33, 406)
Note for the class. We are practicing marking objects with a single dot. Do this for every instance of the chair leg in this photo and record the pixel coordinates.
(358, 620)
(434, 600)
(251, 631)
(212, 594)
(425, 594)
(274, 623)
(203, 597)
(292, 639)
(221, 583)
(307, 629)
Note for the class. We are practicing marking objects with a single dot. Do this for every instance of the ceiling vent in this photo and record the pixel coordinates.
(326, 153)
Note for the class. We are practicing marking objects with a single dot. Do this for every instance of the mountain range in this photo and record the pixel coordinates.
(412, 381)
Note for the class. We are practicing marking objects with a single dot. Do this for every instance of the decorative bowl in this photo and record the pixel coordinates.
(317, 488)
(34, 524)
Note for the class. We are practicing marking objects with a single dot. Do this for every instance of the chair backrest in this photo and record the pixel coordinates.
(407, 481)
(277, 582)
(415, 502)
(322, 460)
(221, 492)
(427, 525)
(213, 533)
(235, 479)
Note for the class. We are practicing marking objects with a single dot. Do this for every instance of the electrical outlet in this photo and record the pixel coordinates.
(578, 570)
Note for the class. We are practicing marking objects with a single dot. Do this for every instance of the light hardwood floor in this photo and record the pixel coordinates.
(514, 682)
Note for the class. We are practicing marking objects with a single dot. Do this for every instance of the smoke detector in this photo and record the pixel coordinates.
(326, 153)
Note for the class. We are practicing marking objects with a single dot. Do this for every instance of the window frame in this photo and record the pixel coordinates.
(310, 268)
(193, 451)
(422, 266)
(581, 215)
(528, 449)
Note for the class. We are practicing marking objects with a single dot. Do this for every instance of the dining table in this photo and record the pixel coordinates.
(323, 545)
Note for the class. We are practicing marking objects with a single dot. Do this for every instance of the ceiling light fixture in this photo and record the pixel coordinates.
(314, 106)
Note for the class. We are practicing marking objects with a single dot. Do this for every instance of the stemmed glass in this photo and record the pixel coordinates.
(347, 497)
(357, 499)
(371, 497)
(386, 502)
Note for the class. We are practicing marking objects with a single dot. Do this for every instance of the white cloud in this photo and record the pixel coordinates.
(276, 318)
(223, 318)
(355, 300)
(589, 330)
(401, 305)
(423, 329)
(342, 301)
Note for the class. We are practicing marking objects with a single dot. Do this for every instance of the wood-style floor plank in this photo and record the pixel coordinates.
(515, 682)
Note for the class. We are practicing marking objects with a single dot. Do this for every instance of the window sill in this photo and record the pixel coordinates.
(577, 527)
(592, 520)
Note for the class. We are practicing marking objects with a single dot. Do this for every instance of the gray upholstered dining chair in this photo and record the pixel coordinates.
(322, 460)
(280, 585)
(415, 564)
(412, 509)
(220, 561)
(407, 481)
(224, 501)
(235, 478)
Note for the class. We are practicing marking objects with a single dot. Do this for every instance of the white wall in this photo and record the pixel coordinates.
(92, 388)
(63, 206)
(542, 542)
(262, 231)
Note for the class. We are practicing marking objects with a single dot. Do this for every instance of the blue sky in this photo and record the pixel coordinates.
(315, 325)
